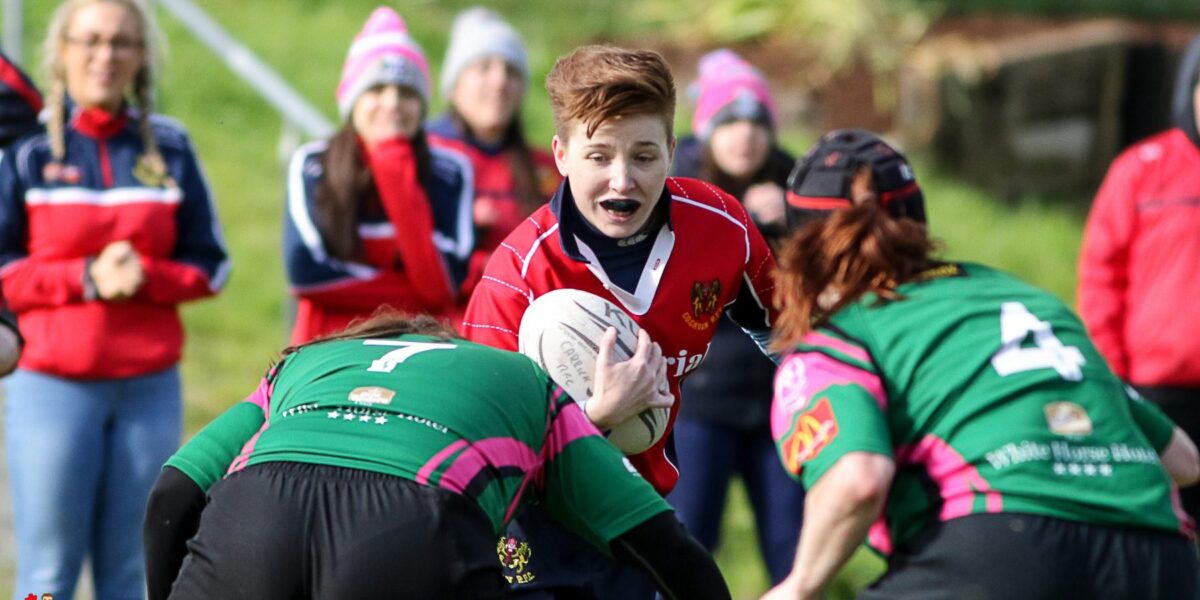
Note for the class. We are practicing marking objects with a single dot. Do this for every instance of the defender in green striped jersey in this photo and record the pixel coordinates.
(963, 412)
(470, 421)
(987, 394)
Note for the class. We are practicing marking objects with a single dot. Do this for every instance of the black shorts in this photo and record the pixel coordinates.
(293, 530)
(1010, 556)
(543, 560)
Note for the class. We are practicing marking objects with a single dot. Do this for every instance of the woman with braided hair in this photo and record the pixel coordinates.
(106, 225)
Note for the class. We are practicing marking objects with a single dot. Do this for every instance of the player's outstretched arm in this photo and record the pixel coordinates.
(1176, 451)
(838, 510)
(677, 564)
(172, 517)
(624, 389)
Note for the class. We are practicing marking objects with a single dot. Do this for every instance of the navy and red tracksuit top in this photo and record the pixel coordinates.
(413, 263)
(53, 219)
(706, 258)
(497, 210)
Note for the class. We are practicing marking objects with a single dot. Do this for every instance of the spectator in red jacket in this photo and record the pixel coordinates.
(375, 215)
(106, 226)
(1140, 263)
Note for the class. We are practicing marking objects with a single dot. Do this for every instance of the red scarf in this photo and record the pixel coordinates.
(100, 124)
(394, 168)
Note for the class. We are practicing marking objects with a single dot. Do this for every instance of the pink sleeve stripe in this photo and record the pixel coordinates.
(804, 376)
(1187, 525)
(243, 457)
(816, 338)
(879, 536)
(492, 452)
(261, 397)
(958, 482)
(438, 459)
(568, 426)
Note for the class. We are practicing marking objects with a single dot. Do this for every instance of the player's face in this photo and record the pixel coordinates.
(101, 52)
(740, 148)
(617, 175)
(385, 112)
(487, 96)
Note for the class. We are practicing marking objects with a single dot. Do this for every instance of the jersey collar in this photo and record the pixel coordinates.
(573, 227)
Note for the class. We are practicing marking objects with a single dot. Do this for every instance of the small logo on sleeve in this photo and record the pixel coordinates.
(813, 431)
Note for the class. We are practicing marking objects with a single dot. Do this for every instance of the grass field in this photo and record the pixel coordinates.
(232, 338)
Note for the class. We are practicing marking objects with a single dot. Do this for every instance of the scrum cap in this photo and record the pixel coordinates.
(820, 181)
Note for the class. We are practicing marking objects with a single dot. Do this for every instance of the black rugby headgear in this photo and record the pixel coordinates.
(820, 181)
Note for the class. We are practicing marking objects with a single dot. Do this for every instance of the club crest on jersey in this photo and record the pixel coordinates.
(514, 555)
(706, 305)
(1068, 418)
(371, 395)
(151, 171)
(811, 432)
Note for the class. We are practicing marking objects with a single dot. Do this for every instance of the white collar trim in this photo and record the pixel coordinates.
(638, 302)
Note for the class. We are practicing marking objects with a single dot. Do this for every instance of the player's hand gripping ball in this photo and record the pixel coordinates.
(561, 331)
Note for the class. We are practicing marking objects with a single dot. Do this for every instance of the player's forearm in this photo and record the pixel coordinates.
(172, 517)
(838, 511)
(1181, 459)
(677, 564)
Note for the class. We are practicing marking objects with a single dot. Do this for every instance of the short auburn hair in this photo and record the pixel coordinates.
(596, 83)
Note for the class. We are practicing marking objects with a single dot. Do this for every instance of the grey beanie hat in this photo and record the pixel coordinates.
(480, 32)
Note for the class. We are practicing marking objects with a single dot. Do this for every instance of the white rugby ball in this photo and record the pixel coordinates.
(561, 332)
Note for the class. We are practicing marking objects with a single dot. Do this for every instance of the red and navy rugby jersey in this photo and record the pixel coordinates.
(707, 258)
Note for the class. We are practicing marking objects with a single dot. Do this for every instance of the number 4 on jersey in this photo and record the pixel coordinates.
(1016, 323)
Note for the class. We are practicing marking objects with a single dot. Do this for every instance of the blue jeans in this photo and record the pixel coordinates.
(82, 457)
(709, 456)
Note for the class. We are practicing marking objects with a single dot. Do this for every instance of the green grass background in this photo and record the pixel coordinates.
(232, 338)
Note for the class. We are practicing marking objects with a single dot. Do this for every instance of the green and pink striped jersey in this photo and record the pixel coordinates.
(484, 423)
(989, 397)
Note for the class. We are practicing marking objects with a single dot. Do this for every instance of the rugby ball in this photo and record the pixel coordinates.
(561, 332)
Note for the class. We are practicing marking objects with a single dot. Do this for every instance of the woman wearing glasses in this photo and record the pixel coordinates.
(106, 225)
